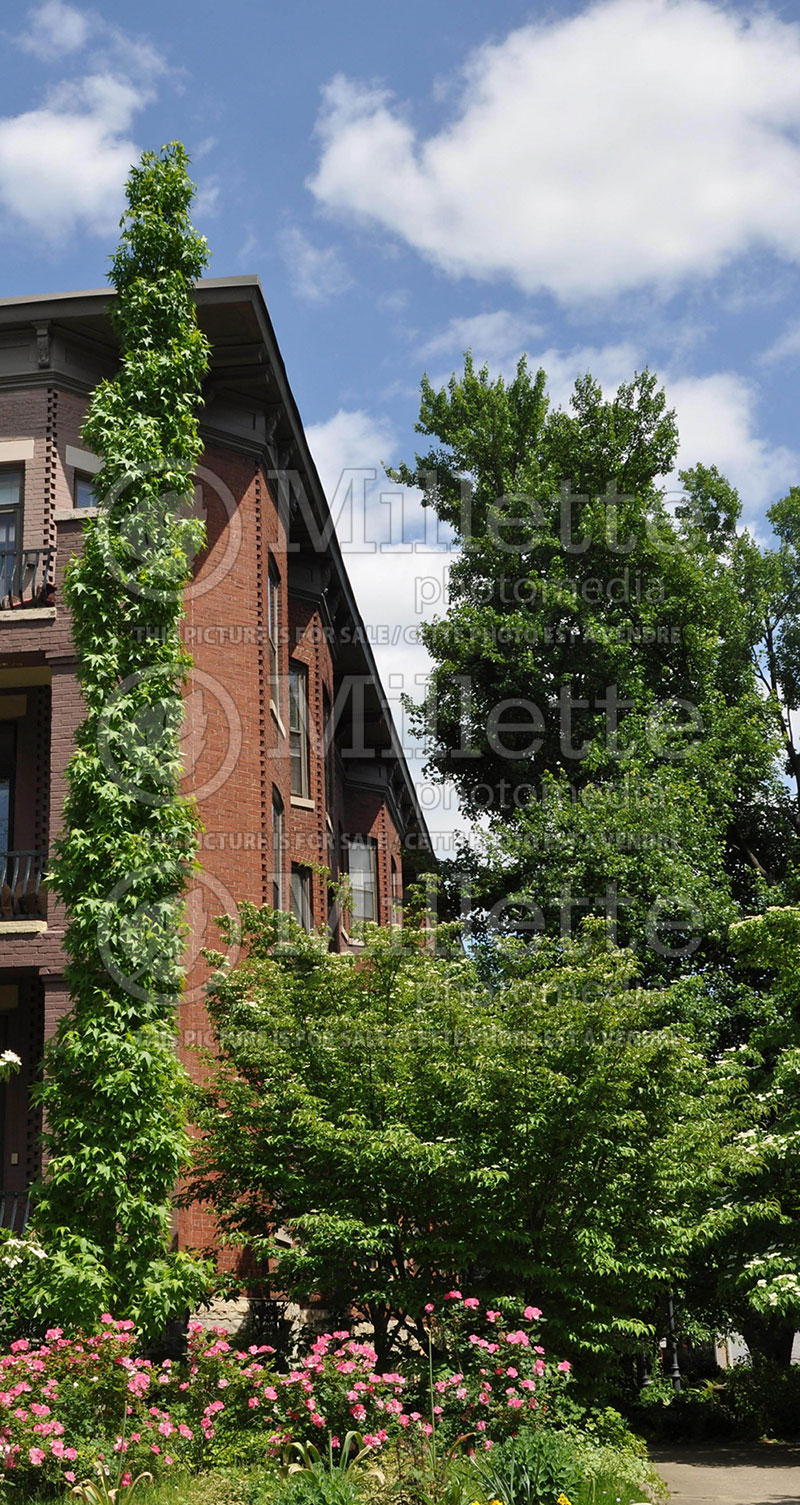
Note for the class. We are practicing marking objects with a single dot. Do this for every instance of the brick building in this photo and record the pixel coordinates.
(290, 748)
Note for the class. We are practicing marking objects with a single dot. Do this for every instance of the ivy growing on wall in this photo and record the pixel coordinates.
(114, 1092)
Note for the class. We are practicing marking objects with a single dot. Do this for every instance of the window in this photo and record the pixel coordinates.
(362, 869)
(397, 894)
(298, 729)
(277, 850)
(82, 494)
(301, 896)
(273, 629)
(7, 767)
(10, 528)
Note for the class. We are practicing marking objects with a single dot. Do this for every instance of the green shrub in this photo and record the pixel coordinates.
(532, 1469)
(763, 1398)
(19, 1261)
(535, 1468)
(319, 1485)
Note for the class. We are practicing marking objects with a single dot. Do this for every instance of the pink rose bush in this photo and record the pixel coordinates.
(496, 1376)
(74, 1399)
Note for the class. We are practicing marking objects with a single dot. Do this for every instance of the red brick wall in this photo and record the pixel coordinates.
(236, 748)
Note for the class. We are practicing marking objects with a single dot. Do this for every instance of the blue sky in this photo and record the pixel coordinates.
(606, 187)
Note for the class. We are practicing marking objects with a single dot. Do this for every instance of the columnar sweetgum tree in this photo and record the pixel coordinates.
(114, 1093)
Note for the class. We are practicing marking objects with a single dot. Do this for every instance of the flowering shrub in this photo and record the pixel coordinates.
(9, 1063)
(19, 1257)
(72, 1400)
(495, 1376)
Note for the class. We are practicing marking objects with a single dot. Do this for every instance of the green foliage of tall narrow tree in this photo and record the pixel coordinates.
(114, 1093)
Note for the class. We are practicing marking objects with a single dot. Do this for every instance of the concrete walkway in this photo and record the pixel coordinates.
(705, 1475)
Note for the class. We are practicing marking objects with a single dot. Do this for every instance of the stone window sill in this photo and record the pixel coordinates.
(73, 514)
(11, 615)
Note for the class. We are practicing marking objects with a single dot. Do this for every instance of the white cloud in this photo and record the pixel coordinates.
(786, 347)
(206, 198)
(635, 143)
(398, 577)
(351, 439)
(64, 166)
(498, 338)
(718, 423)
(316, 272)
(54, 29)
(203, 148)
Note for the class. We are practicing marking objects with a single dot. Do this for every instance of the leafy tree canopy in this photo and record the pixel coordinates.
(414, 1128)
(604, 689)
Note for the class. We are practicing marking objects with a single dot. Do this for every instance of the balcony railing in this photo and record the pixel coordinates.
(15, 1210)
(26, 578)
(21, 876)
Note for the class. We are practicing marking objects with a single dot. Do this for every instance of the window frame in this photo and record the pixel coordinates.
(16, 510)
(278, 828)
(79, 476)
(397, 893)
(299, 728)
(369, 845)
(304, 902)
(274, 629)
(8, 776)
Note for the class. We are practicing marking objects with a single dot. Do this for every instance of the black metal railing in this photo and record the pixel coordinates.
(15, 1210)
(21, 876)
(26, 578)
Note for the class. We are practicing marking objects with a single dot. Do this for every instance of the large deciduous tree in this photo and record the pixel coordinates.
(413, 1128)
(594, 689)
(616, 687)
